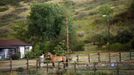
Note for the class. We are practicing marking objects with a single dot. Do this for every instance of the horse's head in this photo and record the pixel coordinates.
(69, 58)
(48, 54)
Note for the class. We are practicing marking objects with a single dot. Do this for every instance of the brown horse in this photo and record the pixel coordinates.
(55, 58)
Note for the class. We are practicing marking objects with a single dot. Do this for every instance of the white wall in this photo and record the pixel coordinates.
(30, 48)
(6, 53)
(23, 50)
(22, 53)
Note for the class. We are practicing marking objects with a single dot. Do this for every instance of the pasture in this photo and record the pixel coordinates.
(113, 63)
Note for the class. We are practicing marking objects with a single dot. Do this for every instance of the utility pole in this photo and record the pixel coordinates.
(108, 35)
(67, 34)
(67, 42)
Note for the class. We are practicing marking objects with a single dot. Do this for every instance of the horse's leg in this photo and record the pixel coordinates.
(66, 62)
(53, 64)
(64, 66)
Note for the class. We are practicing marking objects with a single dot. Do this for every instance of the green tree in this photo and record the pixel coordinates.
(46, 28)
(46, 22)
(106, 12)
(60, 49)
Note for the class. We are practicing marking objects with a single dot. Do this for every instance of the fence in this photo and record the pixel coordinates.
(105, 57)
(115, 68)
(123, 62)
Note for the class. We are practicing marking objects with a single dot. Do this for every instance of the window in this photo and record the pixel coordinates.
(27, 48)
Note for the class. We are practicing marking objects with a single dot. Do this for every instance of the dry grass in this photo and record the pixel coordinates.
(82, 1)
(11, 9)
(18, 63)
(104, 56)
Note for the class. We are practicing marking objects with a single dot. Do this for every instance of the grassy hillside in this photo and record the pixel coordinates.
(87, 20)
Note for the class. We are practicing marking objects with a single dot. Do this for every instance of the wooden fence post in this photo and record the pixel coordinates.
(75, 66)
(119, 56)
(58, 65)
(47, 68)
(130, 54)
(109, 57)
(99, 57)
(117, 68)
(89, 58)
(77, 58)
(94, 68)
(39, 63)
(11, 65)
(27, 65)
(58, 69)
(36, 64)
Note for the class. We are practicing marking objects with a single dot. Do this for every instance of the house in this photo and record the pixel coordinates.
(12, 47)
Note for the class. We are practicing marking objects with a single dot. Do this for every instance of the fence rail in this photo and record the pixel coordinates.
(81, 62)
(109, 57)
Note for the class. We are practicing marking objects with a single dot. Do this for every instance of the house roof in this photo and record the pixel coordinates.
(10, 43)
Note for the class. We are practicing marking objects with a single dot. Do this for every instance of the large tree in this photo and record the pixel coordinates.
(45, 23)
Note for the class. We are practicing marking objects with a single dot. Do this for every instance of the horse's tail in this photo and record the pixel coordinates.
(63, 59)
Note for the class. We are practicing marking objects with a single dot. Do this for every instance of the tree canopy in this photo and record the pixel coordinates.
(46, 21)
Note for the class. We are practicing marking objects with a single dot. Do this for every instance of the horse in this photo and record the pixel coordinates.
(55, 58)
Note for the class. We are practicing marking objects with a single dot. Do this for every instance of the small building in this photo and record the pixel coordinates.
(9, 48)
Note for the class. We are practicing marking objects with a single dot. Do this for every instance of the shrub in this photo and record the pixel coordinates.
(101, 39)
(20, 69)
(120, 47)
(87, 73)
(124, 36)
(69, 3)
(116, 46)
(60, 49)
(31, 55)
(77, 46)
(4, 73)
(132, 6)
(131, 43)
(15, 56)
(6, 2)
(3, 9)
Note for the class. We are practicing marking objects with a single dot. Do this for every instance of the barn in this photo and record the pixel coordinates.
(9, 48)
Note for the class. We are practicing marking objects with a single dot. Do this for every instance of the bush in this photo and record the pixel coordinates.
(34, 72)
(6, 2)
(79, 46)
(69, 3)
(2, 9)
(20, 69)
(131, 43)
(87, 73)
(15, 56)
(119, 47)
(60, 49)
(31, 55)
(132, 6)
(124, 36)
(101, 39)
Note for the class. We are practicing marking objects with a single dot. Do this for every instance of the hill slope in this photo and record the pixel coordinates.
(87, 20)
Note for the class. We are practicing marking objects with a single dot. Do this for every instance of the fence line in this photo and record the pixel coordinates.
(109, 56)
(75, 64)
(94, 66)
